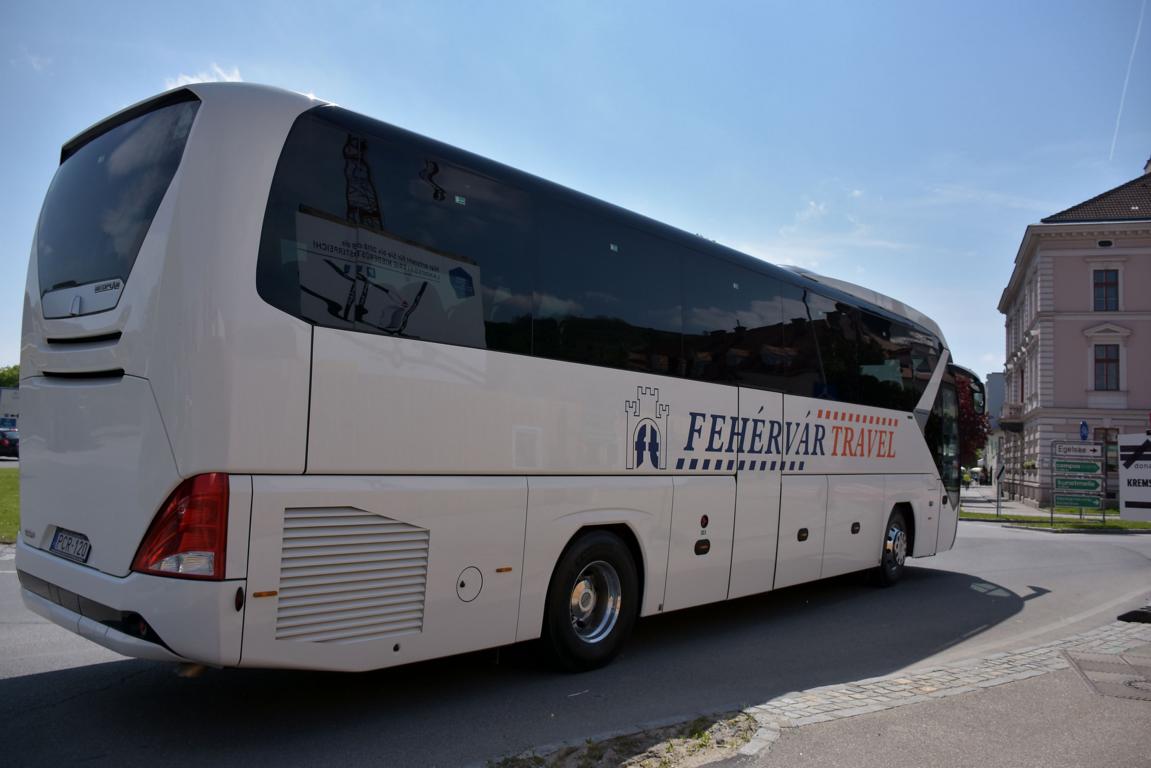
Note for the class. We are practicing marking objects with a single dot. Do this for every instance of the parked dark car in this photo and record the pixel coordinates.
(10, 443)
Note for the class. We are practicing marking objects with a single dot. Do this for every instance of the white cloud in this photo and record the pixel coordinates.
(953, 194)
(811, 211)
(216, 74)
(857, 193)
(31, 60)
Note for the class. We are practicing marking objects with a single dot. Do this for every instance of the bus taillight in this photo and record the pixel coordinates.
(187, 539)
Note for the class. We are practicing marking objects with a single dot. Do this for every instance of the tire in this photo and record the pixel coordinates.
(582, 630)
(896, 544)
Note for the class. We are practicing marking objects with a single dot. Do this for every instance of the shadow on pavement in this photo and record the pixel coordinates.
(483, 705)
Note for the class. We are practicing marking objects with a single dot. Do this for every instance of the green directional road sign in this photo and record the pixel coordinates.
(1089, 484)
(1072, 467)
(1070, 500)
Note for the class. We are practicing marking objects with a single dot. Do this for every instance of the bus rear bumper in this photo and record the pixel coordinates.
(142, 616)
(98, 633)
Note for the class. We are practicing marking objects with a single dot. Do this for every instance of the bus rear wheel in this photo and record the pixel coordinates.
(592, 602)
(896, 544)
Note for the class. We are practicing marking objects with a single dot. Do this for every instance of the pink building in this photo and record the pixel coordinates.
(1078, 309)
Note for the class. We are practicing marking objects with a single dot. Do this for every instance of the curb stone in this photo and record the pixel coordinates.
(877, 694)
(1093, 531)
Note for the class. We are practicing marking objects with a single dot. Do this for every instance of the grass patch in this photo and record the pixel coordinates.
(688, 745)
(1061, 523)
(9, 504)
(1086, 511)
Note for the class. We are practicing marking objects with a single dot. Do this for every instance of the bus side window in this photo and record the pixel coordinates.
(885, 363)
(731, 323)
(608, 295)
(836, 329)
(801, 372)
(366, 230)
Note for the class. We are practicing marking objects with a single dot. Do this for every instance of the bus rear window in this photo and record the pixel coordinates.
(103, 198)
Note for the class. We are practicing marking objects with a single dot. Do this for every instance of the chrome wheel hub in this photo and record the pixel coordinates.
(896, 545)
(594, 604)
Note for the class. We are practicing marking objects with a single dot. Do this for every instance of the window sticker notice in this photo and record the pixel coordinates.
(380, 283)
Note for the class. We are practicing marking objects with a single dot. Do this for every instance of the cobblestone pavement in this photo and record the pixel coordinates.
(834, 702)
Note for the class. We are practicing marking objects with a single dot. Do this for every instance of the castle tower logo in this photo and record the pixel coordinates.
(647, 430)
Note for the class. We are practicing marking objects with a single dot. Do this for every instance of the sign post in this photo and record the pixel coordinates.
(1078, 476)
(999, 487)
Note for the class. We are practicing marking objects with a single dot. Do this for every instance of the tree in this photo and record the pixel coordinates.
(10, 376)
(973, 427)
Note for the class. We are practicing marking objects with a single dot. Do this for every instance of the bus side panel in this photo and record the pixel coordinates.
(757, 499)
(699, 559)
(849, 439)
(381, 404)
(559, 507)
(921, 492)
(802, 520)
(948, 523)
(230, 371)
(855, 518)
(357, 573)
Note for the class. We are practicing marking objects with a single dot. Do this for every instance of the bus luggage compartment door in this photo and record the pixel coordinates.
(357, 573)
(855, 520)
(699, 560)
(802, 519)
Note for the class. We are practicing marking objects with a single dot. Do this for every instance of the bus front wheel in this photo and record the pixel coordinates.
(896, 544)
(592, 602)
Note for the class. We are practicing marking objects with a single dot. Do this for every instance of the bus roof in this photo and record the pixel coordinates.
(833, 288)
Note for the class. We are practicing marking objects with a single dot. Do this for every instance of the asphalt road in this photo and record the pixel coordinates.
(64, 700)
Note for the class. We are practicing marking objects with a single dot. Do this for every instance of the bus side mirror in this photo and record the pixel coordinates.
(977, 400)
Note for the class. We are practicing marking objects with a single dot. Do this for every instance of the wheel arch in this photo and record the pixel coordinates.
(637, 511)
(909, 517)
(624, 532)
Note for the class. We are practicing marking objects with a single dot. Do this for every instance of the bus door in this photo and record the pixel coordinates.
(699, 558)
(757, 494)
(942, 435)
(802, 499)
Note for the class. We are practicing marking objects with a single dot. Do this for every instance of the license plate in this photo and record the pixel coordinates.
(74, 546)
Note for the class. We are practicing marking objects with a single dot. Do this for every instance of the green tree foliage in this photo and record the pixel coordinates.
(10, 376)
(973, 427)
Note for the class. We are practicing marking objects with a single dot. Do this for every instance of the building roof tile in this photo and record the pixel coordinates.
(1127, 202)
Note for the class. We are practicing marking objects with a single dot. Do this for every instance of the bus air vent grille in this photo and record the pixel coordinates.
(350, 576)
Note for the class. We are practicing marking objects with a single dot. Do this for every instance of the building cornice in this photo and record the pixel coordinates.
(1082, 412)
(1081, 315)
(1035, 233)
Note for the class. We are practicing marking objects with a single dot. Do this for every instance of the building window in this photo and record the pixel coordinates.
(1106, 282)
(1106, 367)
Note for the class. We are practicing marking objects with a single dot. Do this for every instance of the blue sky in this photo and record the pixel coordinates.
(901, 145)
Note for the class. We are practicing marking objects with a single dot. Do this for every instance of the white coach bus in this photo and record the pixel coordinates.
(303, 389)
